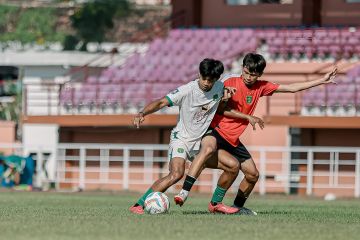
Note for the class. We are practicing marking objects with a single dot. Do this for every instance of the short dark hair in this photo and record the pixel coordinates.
(254, 62)
(211, 68)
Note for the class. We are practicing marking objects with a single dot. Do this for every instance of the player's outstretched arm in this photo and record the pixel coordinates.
(148, 109)
(296, 87)
(231, 113)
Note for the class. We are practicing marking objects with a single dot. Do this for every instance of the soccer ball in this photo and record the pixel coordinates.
(156, 202)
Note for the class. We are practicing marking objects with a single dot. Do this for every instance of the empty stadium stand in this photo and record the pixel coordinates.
(172, 61)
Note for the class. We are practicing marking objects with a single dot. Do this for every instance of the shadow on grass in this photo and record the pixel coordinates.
(273, 213)
(259, 213)
(196, 213)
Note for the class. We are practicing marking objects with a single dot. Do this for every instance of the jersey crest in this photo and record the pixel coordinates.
(180, 150)
(249, 99)
(215, 97)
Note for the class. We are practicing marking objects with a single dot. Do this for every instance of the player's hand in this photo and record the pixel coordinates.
(228, 93)
(138, 119)
(330, 76)
(255, 120)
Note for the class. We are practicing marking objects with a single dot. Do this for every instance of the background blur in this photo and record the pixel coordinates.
(74, 73)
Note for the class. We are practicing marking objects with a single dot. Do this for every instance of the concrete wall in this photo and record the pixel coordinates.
(7, 135)
(338, 12)
(216, 13)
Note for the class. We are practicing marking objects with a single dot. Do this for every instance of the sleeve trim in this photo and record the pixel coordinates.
(170, 102)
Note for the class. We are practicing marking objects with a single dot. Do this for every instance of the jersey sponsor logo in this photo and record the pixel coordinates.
(175, 91)
(180, 150)
(205, 108)
(204, 111)
(249, 99)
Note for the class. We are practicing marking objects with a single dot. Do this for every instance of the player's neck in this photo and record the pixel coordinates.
(198, 82)
(247, 85)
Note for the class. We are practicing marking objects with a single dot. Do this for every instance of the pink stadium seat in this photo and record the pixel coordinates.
(277, 41)
(308, 98)
(90, 94)
(155, 45)
(91, 80)
(357, 98)
(333, 33)
(109, 94)
(104, 80)
(308, 33)
(330, 41)
(159, 90)
(283, 33)
(322, 50)
(119, 76)
(345, 33)
(291, 41)
(136, 94)
(109, 72)
(348, 51)
(333, 100)
(237, 34)
(78, 96)
(320, 33)
(211, 33)
(271, 33)
(353, 41)
(345, 95)
(66, 96)
(314, 97)
(295, 34)
(223, 34)
(187, 34)
(273, 50)
(175, 34)
(335, 50)
(303, 42)
(297, 51)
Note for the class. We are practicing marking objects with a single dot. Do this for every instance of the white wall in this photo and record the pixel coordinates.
(42, 138)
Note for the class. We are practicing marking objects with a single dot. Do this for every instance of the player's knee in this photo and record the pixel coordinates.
(175, 176)
(235, 167)
(253, 177)
(209, 151)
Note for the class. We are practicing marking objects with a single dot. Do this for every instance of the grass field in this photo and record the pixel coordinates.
(106, 216)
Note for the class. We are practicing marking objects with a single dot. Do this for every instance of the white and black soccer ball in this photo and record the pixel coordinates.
(156, 202)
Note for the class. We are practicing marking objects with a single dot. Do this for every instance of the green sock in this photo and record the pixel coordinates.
(142, 199)
(218, 195)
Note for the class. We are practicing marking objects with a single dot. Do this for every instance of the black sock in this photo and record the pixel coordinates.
(240, 199)
(188, 183)
(136, 204)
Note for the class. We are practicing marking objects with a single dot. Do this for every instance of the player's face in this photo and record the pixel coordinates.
(249, 77)
(206, 83)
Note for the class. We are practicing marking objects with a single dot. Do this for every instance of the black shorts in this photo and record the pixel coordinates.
(239, 152)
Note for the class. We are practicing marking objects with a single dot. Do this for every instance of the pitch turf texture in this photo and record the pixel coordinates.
(106, 216)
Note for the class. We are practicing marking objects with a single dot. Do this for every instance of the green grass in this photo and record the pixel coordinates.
(106, 216)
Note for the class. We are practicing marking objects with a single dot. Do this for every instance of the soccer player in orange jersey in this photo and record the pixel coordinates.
(224, 131)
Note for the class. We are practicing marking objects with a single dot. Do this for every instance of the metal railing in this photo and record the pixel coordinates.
(304, 170)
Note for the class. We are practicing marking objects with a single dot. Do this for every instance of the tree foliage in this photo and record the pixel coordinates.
(7, 13)
(33, 25)
(95, 17)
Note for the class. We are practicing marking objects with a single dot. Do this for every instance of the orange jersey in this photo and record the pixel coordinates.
(244, 100)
